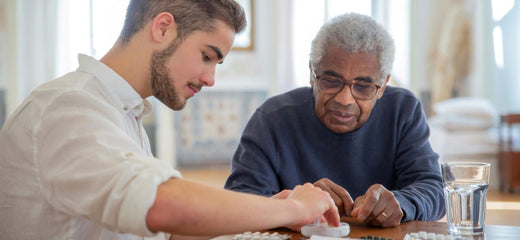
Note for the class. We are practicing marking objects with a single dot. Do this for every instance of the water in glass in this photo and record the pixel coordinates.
(466, 207)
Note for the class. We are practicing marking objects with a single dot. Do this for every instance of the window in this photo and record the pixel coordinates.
(499, 11)
(92, 28)
(505, 36)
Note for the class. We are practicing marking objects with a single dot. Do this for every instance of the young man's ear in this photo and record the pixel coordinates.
(164, 28)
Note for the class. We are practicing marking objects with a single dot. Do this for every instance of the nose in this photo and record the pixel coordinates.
(345, 96)
(208, 77)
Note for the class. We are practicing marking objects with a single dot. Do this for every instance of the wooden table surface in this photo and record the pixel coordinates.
(359, 229)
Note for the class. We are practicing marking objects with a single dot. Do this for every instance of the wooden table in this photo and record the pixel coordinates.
(359, 229)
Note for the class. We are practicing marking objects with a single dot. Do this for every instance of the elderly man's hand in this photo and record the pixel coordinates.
(378, 207)
(340, 196)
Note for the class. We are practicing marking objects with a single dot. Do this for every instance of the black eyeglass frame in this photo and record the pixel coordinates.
(346, 82)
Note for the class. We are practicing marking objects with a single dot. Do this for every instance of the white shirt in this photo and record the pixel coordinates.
(75, 161)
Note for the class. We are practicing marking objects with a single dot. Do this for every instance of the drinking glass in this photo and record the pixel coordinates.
(465, 188)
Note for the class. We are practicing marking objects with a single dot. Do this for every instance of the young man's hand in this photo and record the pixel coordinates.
(340, 196)
(314, 203)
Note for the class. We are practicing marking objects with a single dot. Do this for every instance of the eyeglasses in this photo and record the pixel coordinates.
(360, 90)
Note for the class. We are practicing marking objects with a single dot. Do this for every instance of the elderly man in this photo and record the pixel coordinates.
(349, 133)
(75, 161)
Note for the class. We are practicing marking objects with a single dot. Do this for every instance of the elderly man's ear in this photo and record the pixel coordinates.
(311, 69)
(380, 94)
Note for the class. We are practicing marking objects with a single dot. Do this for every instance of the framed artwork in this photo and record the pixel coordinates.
(245, 39)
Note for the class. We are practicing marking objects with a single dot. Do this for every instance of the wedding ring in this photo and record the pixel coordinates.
(384, 215)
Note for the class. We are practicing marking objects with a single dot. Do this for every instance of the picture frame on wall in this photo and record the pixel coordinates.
(244, 41)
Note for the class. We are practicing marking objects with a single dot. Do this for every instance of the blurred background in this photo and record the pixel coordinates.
(460, 57)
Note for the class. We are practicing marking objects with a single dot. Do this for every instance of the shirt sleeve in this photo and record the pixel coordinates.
(90, 167)
(253, 169)
(419, 183)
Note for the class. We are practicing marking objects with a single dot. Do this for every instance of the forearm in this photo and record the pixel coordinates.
(179, 208)
(422, 201)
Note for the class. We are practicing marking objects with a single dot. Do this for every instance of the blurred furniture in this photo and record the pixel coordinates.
(465, 129)
(509, 152)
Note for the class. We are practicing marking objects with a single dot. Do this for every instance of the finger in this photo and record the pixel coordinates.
(332, 215)
(391, 213)
(322, 219)
(394, 212)
(282, 195)
(357, 206)
(336, 193)
(379, 218)
(382, 217)
(387, 208)
(391, 221)
(345, 199)
(378, 213)
(394, 219)
(325, 187)
(370, 201)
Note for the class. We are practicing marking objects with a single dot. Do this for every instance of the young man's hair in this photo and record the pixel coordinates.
(189, 15)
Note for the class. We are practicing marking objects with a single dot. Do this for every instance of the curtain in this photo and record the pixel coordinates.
(452, 56)
(285, 62)
(31, 27)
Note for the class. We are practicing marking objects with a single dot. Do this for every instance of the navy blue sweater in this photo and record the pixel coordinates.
(284, 144)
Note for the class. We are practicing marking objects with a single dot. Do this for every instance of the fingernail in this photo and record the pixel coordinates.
(362, 217)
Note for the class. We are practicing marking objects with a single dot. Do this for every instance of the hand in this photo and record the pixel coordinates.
(282, 195)
(378, 207)
(340, 196)
(314, 204)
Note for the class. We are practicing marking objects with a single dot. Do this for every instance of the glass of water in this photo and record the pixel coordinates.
(465, 188)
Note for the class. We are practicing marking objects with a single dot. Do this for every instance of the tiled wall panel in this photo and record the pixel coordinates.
(209, 127)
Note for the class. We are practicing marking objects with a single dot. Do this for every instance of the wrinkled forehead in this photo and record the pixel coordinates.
(338, 60)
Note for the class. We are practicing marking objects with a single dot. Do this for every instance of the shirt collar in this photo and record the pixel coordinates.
(128, 99)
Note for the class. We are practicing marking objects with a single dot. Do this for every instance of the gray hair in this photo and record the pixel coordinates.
(355, 33)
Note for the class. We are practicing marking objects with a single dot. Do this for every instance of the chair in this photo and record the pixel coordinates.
(509, 152)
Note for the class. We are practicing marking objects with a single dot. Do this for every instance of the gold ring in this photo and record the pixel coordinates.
(384, 215)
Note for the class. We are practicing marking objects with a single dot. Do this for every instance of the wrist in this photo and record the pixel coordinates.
(291, 212)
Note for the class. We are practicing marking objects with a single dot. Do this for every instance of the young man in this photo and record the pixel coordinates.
(344, 134)
(75, 160)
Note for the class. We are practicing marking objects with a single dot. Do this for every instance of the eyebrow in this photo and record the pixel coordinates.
(365, 79)
(360, 78)
(333, 73)
(218, 52)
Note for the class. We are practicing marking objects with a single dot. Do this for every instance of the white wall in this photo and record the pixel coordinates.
(427, 17)
(243, 70)
(253, 69)
(422, 29)
(30, 53)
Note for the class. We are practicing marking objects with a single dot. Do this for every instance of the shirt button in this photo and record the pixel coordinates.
(125, 107)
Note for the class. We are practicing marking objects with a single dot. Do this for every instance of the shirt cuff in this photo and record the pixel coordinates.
(141, 197)
(406, 206)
